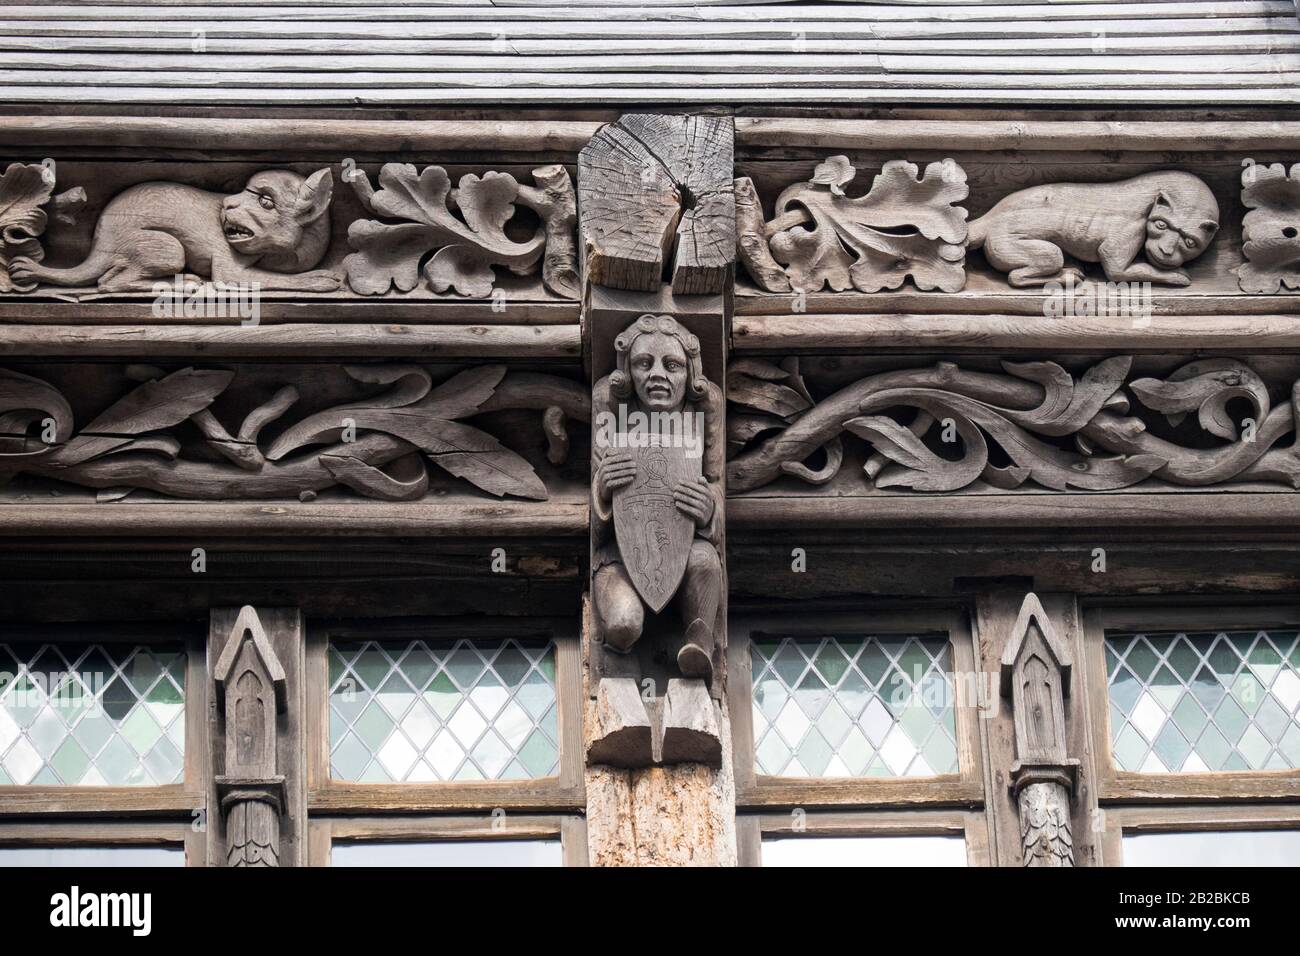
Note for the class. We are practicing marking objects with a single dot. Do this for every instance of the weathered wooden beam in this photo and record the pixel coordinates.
(656, 203)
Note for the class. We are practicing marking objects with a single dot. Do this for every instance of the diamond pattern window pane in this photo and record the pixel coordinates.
(1204, 701)
(92, 714)
(854, 707)
(417, 711)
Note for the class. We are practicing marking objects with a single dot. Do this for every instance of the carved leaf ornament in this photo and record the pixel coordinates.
(25, 191)
(1020, 411)
(1270, 231)
(464, 249)
(906, 225)
(376, 446)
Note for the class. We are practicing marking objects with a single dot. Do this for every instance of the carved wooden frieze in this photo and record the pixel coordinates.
(943, 428)
(1270, 231)
(907, 225)
(202, 433)
(464, 248)
(1035, 674)
(912, 225)
(284, 231)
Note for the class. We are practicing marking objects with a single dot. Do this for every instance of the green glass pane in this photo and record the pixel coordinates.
(349, 758)
(418, 666)
(853, 693)
(789, 663)
(1171, 747)
(70, 762)
(1272, 719)
(118, 699)
(772, 754)
(1183, 659)
(1248, 692)
(831, 663)
(812, 694)
(547, 665)
(1189, 716)
(855, 751)
(1141, 660)
(941, 754)
(918, 722)
(1254, 747)
(165, 692)
(765, 648)
(1208, 688)
(442, 696)
(538, 754)
(164, 763)
(815, 753)
(1289, 746)
(834, 723)
(914, 661)
(1213, 748)
(1125, 689)
(141, 730)
(873, 663)
(511, 665)
(371, 667)
(1231, 719)
(142, 670)
(373, 726)
(1224, 658)
(1130, 749)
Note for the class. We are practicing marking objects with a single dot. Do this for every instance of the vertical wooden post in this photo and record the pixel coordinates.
(657, 221)
(257, 804)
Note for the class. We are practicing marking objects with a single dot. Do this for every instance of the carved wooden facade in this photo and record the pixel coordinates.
(287, 384)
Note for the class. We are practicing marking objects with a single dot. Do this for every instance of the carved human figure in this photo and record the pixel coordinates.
(1170, 216)
(271, 233)
(659, 374)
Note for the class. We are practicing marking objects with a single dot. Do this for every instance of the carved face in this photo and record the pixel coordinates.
(275, 208)
(1176, 235)
(659, 371)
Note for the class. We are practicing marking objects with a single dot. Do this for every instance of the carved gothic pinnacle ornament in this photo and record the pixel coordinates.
(1035, 675)
(251, 689)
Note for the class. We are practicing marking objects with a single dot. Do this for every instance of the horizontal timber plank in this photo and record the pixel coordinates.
(294, 340)
(1165, 333)
(1154, 136)
(117, 801)
(110, 310)
(535, 795)
(31, 95)
(942, 13)
(460, 516)
(347, 136)
(1272, 510)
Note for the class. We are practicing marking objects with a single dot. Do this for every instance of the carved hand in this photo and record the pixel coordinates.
(614, 471)
(695, 499)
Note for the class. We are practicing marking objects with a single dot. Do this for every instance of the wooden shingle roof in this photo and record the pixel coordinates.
(484, 52)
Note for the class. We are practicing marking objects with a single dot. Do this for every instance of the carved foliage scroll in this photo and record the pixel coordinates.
(908, 224)
(26, 201)
(1270, 231)
(934, 429)
(466, 248)
(378, 446)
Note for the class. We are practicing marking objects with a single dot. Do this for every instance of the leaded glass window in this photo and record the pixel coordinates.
(849, 706)
(1189, 702)
(417, 711)
(864, 851)
(92, 715)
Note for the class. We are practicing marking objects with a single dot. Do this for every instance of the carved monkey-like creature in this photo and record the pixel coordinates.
(660, 374)
(1170, 215)
(270, 233)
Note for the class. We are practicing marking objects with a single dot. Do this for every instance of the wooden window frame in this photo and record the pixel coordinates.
(1120, 786)
(569, 829)
(563, 792)
(182, 798)
(1190, 819)
(759, 791)
(968, 824)
(106, 833)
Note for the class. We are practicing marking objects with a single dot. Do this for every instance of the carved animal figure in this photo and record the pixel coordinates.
(270, 233)
(1171, 216)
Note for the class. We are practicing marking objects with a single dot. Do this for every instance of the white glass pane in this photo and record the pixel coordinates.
(92, 856)
(1213, 848)
(450, 853)
(865, 851)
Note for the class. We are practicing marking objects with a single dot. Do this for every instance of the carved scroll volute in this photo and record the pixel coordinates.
(1035, 674)
(251, 690)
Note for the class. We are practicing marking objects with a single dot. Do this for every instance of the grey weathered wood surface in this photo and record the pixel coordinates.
(719, 51)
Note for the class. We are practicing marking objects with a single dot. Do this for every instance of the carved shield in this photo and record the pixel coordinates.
(654, 538)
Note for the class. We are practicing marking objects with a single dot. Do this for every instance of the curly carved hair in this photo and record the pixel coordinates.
(620, 380)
